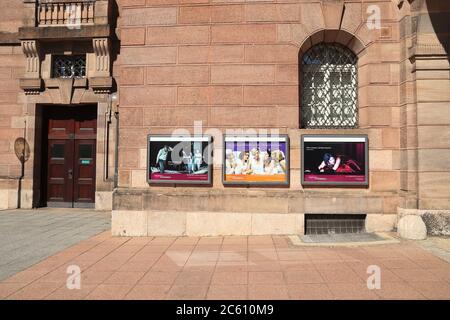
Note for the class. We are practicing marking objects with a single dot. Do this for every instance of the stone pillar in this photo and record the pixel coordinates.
(430, 55)
(426, 114)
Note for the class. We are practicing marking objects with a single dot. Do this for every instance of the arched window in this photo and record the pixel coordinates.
(329, 87)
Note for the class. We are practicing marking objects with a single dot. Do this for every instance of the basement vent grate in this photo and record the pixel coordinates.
(334, 223)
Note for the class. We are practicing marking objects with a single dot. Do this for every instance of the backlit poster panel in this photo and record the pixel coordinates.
(256, 160)
(179, 159)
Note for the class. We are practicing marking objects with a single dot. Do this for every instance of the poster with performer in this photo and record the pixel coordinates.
(256, 160)
(184, 160)
(335, 160)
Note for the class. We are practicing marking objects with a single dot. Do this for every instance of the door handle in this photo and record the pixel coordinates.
(70, 174)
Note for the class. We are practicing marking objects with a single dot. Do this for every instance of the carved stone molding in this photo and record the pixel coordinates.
(102, 56)
(429, 32)
(63, 90)
(100, 81)
(32, 82)
(101, 85)
(31, 50)
(31, 86)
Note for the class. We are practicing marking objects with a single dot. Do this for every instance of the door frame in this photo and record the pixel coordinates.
(45, 111)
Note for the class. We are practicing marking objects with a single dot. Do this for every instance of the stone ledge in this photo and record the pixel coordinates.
(31, 86)
(208, 223)
(64, 33)
(9, 38)
(176, 223)
(277, 201)
(101, 84)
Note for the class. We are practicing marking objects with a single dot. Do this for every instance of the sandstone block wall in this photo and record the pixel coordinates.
(235, 64)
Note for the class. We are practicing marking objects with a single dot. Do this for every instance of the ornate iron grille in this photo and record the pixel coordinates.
(69, 66)
(329, 87)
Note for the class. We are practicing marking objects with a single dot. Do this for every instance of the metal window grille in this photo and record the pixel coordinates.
(329, 87)
(69, 66)
(334, 223)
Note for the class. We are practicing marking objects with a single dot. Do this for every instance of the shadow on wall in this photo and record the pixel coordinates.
(437, 21)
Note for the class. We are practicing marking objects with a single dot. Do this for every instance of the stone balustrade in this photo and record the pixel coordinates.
(65, 12)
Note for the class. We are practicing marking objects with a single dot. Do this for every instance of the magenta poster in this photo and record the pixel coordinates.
(334, 160)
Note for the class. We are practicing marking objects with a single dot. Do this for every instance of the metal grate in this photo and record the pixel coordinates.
(329, 87)
(334, 223)
(69, 66)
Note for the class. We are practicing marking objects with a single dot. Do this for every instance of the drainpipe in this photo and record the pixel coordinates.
(116, 151)
(106, 142)
(113, 108)
(112, 98)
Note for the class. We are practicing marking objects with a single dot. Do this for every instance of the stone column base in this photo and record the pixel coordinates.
(8, 199)
(436, 221)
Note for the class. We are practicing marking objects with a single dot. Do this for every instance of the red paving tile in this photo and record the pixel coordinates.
(94, 277)
(415, 274)
(327, 264)
(8, 288)
(124, 277)
(302, 277)
(352, 291)
(64, 293)
(309, 291)
(262, 255)
(233, 256)
(59, 276)
(286, 254)
(268, 292)
(231, 267)
(148, 292)
(109, 292)
(193, 278)
(34, 291)
(397, 291)
(340, 276)
(187, 292)
(441, 273)
(229, 278)
(399, 263)
(158, 277)
(265, 277)
(227, 292)
(386, 274)
(297, 265)
(431, 291)
(263, 266)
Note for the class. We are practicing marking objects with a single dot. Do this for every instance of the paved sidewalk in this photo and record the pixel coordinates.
(255, 267)
(29, 236)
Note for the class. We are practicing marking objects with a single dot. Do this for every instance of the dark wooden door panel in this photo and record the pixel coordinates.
(71, 157)
(84, 171)
(86, 128)
(60, 128)
(60, 186)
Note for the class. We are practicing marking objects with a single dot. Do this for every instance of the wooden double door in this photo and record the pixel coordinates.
(71, 157)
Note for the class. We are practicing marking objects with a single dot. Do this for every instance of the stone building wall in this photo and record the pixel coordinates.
(12, 120)
(235, 64)
(27, 87)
